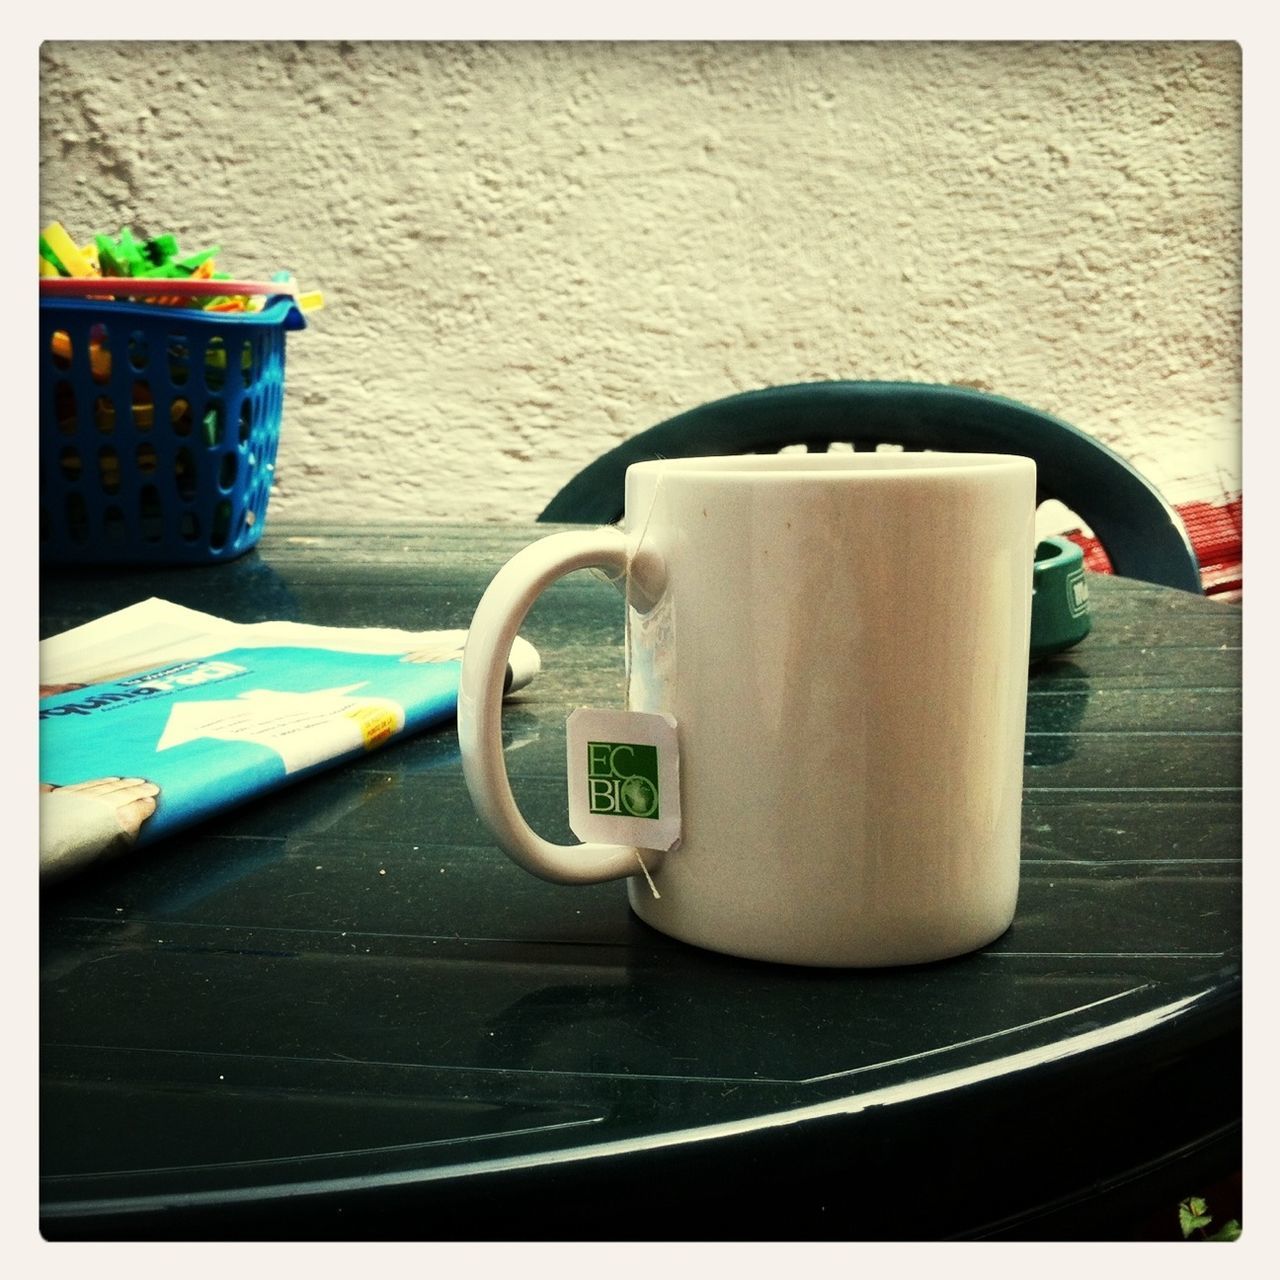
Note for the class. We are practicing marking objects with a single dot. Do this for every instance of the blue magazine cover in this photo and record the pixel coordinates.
(129, 760)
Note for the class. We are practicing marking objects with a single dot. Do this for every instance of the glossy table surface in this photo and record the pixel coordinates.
(341, 1012)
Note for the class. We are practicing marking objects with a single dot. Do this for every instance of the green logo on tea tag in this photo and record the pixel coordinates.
(624, 779)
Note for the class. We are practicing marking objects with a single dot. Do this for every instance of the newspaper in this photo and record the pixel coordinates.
(158, 716)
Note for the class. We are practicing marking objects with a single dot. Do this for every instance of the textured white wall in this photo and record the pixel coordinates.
(531, 251)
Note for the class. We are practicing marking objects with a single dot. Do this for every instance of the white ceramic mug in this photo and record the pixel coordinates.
(843, 642)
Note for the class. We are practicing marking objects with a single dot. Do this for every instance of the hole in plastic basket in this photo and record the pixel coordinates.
(246, 419)
(215, 365)
(178, 360)
(180, 416)
(70, 462)
(212, 423)
(108, 469)
(189, 526)
(61, 349)
(146, 457)
(113, 526)
(221, 524)
(64, 407)
(184, 468)
(247, 369)
(104, 414)
(142, 405)
(100, 353)
(227, 472)
(77, 518)
(138, 349)
(151, 513)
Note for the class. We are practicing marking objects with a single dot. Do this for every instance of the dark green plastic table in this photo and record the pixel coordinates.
(342, 1013)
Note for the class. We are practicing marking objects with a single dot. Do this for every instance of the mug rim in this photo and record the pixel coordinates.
(789, 465)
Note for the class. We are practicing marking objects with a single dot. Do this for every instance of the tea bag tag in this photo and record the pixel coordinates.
(624, 777)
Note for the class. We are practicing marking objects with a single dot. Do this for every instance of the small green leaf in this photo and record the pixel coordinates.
(1228, 1233)
(1192, 1215)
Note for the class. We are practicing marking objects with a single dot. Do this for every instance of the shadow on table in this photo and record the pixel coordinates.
(1052, 721)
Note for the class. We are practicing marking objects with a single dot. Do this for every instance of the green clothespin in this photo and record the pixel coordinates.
(109, 257)
(194, 260)
(211, 425)
(165, 271)
(160, 249)
(50, 257)
(130, 254)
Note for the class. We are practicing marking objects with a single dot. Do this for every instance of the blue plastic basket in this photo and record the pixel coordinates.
(158, 429)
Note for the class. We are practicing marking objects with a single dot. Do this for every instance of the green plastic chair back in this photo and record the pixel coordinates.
(1143, 536)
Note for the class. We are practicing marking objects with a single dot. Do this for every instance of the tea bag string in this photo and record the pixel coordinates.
(631, 555)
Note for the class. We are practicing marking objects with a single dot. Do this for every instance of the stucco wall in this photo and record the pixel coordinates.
(531, 251)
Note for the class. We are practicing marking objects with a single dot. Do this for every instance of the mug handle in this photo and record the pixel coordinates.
(497, 620)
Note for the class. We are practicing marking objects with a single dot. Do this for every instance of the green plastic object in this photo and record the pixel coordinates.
(112, 259)
(164, 271)
(47, 253)
(1060, 600)
(130, 254)
(1143, 536)
(194, 260)
(161, 248)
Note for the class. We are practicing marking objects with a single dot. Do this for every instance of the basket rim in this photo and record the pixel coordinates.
(280, 309)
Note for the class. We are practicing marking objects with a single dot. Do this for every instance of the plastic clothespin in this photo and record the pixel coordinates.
(192, 263)
(99, 356)
(130, 253)
(311, 301)
(61, 250)
(161, 271)
(161, 249)
(109, 258)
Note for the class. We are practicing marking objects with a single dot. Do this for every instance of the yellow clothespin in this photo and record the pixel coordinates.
(54, 238)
